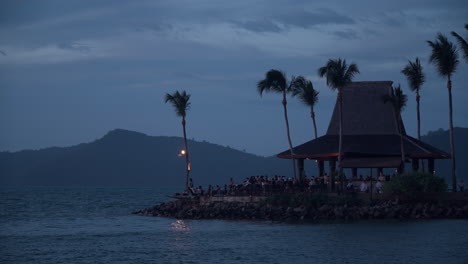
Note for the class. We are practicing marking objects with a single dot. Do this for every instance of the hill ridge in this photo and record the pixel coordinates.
(125, 157)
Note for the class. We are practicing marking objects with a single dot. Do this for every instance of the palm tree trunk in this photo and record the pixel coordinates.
(419, 123)
(419, 115)
(187, 160)
(289, 135)
(340, 142)
(312, 114)
(402, 149)
(452, 143)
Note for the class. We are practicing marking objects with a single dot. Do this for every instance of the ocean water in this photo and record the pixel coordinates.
(94, 225)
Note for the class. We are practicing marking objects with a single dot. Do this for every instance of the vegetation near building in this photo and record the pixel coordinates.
(415, 183)
(444, 57)
(276, 81)
(338, 75)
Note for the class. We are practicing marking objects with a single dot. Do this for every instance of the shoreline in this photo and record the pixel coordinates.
(316, 209)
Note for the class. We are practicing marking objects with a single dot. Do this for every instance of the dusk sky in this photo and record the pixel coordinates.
(70, 71)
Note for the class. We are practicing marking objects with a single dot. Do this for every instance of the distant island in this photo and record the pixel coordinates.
(123, 157)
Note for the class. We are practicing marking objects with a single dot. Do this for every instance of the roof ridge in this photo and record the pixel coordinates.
(414, 143)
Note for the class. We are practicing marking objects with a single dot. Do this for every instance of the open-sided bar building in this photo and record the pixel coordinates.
(370, 135)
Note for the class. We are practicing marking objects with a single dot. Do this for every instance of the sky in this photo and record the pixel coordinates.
(70, 71)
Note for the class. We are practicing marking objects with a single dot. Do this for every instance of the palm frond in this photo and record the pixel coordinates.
(298, 85)
(275, 81)
(304, 89)
(444, 55)
(414, 74)
(180, 101)
(397, 98)
(337, 73)
(462, 42)
(351, 72)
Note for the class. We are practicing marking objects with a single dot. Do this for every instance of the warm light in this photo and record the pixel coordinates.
(188, 167)
(182, 152)
(180, 225)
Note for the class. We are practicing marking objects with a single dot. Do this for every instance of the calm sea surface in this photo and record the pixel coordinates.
(94, 225)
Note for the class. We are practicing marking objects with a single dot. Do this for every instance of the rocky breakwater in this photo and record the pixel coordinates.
(390, 209)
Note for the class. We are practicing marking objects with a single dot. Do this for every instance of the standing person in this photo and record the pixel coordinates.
(461, 185)
(364, 187)
(379, 186)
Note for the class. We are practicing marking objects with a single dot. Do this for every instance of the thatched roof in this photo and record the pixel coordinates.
(369, 129)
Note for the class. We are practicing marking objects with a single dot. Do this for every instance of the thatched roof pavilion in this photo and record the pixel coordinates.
(370, 134)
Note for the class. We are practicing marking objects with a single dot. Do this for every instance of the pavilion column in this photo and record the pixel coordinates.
(320, 165)
(300, 166)
(354, 173)
(331, 176)
(430, 166)
(415, 164)
(379, 171)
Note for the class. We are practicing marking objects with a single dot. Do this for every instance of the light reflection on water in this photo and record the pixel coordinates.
(180, 225)
(181, 239)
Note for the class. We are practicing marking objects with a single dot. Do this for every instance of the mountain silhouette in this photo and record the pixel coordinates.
(131, 158)
(125, 157)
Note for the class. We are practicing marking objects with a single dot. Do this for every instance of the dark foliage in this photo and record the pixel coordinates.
(414, 183)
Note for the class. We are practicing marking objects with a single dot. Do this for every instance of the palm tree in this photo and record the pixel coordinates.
(304, 89)
(338, 75)
(444, 57)
(398, 99)
(181, 104)
(462, 42)
(415, 75)
(276, 81)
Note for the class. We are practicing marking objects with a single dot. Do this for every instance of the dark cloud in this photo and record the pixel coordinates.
(346, 34)
(3, 53)
(259, 26)
(322, 16)
(74, 46)
(295, 18)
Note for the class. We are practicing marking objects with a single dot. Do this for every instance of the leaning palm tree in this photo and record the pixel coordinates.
(444, 57)
(462, 42)
(276, 81)
(398, 100)
(415, 75)
(181, 104)
(304, 89)
(338, 75)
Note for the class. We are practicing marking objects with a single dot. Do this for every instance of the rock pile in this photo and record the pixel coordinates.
(264, 211)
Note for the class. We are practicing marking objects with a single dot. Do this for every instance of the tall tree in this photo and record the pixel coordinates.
(398, 100)
(415, 75)
(276, 81)
(444, 57)
(338, 75)
(181, 104)
(304, 89)
(462, 42)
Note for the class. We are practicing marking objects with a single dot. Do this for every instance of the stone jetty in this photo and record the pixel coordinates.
(320, 211)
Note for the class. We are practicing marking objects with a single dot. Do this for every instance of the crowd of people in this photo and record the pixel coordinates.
(265, 185)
